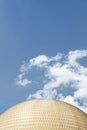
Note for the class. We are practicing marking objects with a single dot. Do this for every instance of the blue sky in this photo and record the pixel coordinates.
(31, 28)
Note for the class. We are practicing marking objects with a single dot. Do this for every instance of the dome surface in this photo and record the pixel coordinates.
(43, 115)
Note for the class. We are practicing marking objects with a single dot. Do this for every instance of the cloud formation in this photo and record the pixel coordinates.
(65, 78)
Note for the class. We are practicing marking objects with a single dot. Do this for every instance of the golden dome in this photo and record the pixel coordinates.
(43, 115)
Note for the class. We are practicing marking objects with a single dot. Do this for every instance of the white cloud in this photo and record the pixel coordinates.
(61, 73)
(22, 81)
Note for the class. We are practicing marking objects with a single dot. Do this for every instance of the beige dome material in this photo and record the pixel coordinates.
(43, 115)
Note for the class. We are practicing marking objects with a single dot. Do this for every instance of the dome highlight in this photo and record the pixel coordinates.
(43, 115)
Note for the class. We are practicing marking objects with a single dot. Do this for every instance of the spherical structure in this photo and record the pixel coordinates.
(43, 115)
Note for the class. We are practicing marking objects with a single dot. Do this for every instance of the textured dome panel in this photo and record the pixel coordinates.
(43, 115)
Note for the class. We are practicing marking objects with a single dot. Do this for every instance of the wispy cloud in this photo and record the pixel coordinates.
(22, 81)
(65, 78)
